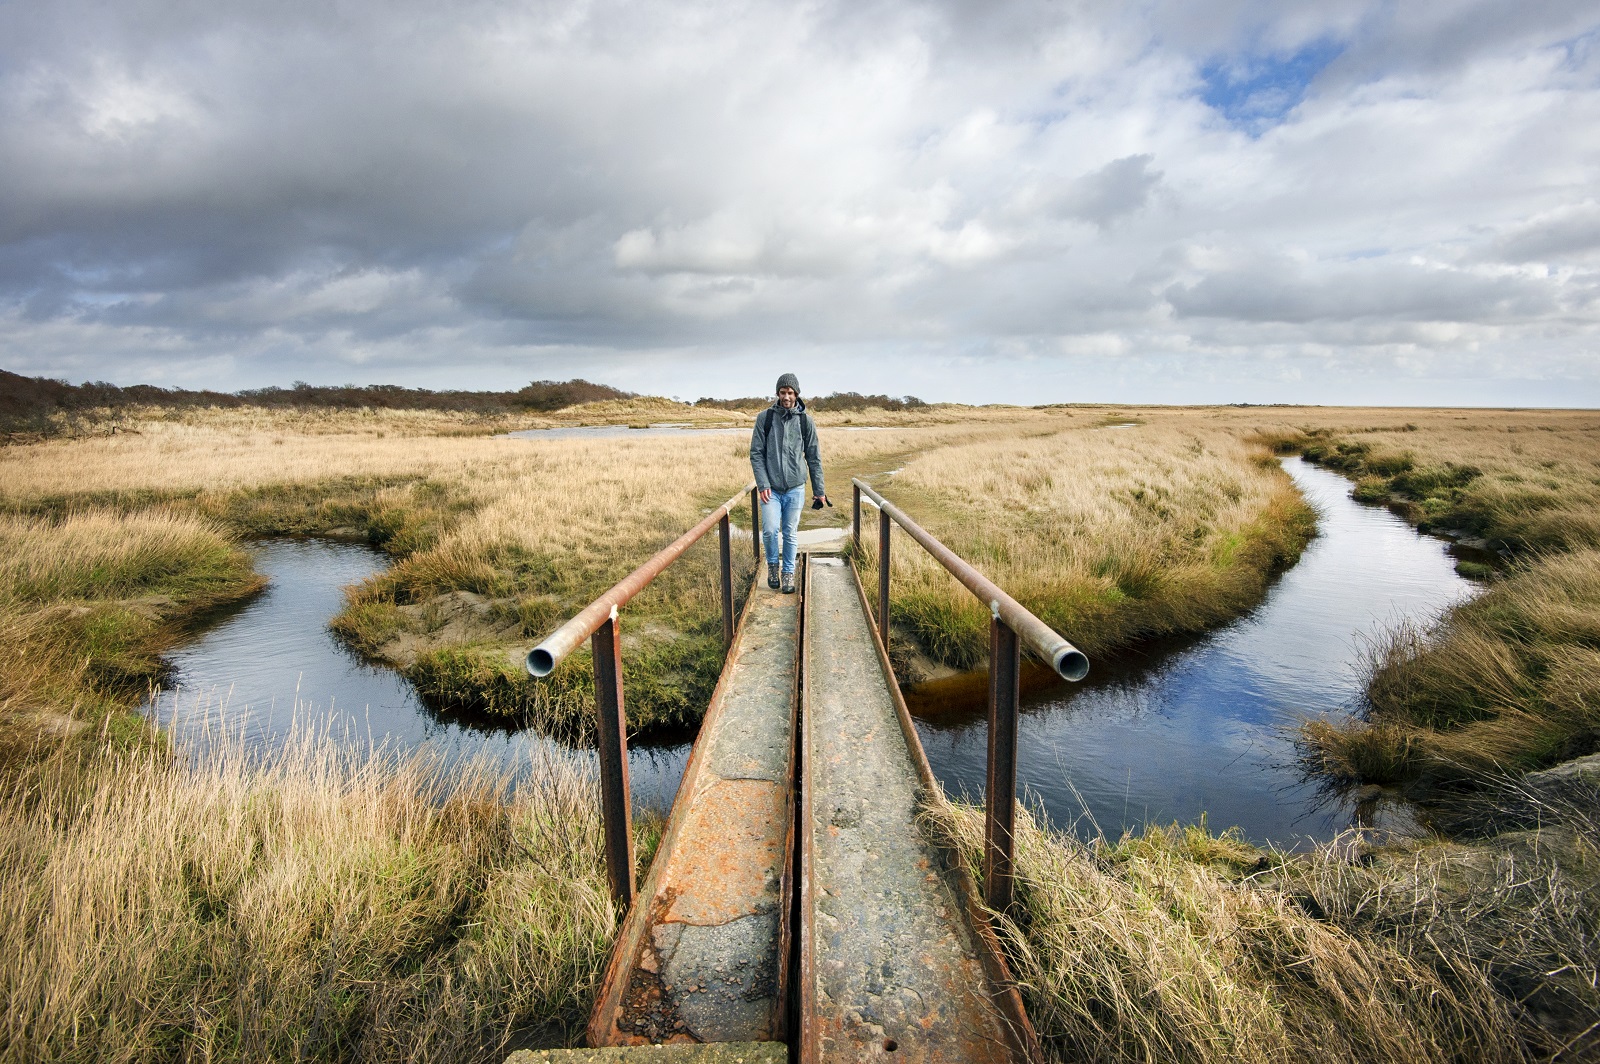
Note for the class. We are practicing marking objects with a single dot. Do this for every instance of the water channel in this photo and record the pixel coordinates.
(273, 665)
(1201, 727)
(1205, 726)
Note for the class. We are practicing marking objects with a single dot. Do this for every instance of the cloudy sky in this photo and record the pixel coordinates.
(1083, 200)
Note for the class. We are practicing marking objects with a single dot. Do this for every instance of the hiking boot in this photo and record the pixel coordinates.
(772, 575)
(788, 583)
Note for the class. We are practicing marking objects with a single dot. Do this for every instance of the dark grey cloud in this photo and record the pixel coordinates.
(1566, 233)
(246, 192)
(1273, 290)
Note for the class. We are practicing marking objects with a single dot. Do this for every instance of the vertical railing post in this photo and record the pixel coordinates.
(1000, 793)
(855, 517)
(755, 523)
(725, 555)
(615, 808)
(883, 577)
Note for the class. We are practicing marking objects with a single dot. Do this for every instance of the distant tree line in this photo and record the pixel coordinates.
(27, 404)
(836, 401)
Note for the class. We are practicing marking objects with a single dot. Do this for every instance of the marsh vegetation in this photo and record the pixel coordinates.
(318, 905)
(1506, 683)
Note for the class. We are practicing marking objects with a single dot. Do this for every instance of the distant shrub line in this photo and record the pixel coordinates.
(27, 403)
(36, 404)
(836, 402)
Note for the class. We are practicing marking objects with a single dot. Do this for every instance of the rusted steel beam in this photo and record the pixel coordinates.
(1067, 660)
(704, 954)
(1000, 792)
(883, 575)
(616, 809)
(725, 583)
(543, 658)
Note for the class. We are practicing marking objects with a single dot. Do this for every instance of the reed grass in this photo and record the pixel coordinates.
(88, 602)
(1508, 682)
(324, 903)
(1171, 947)
(318, 905)
(530, 531)
(1108, 535)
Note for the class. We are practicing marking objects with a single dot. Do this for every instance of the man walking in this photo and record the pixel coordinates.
(782, 447)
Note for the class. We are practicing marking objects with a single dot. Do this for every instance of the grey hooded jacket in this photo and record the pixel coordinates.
(782, 446)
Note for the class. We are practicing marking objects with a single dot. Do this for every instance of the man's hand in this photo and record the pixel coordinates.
(766, 494)
(818, 500)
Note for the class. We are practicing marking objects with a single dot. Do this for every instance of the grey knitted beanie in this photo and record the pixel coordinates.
(788, 380)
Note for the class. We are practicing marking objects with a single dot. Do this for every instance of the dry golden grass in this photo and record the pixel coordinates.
(102, 554)
(1516, 909)
(1527, 480)
(1107, 534)
(1156, 949)
(323, 905)
(533, 528)
(399, 920)
(1507, 683)
(87, 603)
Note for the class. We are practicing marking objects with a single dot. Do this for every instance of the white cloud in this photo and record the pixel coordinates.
(247, 189)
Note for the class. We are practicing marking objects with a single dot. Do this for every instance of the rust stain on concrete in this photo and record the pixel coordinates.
(702, 957)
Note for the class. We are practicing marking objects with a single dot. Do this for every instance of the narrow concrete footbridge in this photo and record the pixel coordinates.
(799, 906)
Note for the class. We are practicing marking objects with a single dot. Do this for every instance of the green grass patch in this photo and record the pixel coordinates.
(1506, 683)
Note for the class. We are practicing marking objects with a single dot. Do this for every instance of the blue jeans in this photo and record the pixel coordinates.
(784, 507)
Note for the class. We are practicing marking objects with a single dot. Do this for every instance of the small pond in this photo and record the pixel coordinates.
(1205, 726)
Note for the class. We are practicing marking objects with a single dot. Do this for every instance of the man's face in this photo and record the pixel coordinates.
(787, 397)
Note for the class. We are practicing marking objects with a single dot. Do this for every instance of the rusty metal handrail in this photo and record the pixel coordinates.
(597, 622)
(543, 659)
(1066, 659)
(1010, 626)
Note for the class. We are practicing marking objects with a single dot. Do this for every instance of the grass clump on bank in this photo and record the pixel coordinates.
(1506, 683)
(1109, 536)
(496, 541)
(324, 904)
(1501, 685)
(1519, 481)
(1180, 946)
(88, 601)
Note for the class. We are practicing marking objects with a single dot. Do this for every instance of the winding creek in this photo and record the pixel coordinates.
(1203, 726)
(256, 674)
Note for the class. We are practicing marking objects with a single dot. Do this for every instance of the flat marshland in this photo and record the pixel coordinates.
(315, 904)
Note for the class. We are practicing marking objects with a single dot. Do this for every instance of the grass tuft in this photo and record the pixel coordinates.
(1162, 947)
(323, 904)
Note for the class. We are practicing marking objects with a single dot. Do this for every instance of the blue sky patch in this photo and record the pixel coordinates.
(1255, 92)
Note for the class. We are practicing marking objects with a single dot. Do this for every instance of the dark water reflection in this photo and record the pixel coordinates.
(274, 664)
(1204, 727)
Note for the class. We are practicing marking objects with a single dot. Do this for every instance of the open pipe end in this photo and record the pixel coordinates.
(1072, 664)
(542, 663)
